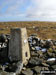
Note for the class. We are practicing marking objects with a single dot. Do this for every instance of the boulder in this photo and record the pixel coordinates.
(34, 61)
(4, 73)
(37, 69)
(44, 68)
(44, 64)
(34, 54)
(54, 67)
(27, 72)
(50, 54)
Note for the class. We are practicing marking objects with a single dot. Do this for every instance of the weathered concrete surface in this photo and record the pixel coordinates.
(25, 46)
(18, 45)
(15, 53)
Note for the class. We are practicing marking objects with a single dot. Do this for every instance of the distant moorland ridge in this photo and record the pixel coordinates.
(44, 30)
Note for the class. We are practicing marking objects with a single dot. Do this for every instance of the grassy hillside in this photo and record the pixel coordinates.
(44, 30)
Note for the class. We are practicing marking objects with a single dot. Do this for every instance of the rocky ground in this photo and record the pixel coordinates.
(41, 60)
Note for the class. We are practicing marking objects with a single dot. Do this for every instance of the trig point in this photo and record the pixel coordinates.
(18, 45)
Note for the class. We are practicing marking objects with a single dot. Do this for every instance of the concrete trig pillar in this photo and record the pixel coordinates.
(18, 45)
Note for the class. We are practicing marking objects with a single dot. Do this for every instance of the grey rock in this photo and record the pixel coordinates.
(54, 66)
(34, 54)
(40, 52)
(37, 69)
(35, 61)
(4, 73)
(0, 67)
(50, 54)
(44, 68)
(50, 63)
(27, 72)
(44, 64)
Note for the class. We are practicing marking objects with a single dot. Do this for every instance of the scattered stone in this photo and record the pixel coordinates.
(54, 67)
(44, 50)
(24, 68)
(50, 54)
(44, 69)
(50, 50)
(37, 69)
(44, 64)
(35, 61)
(33, 48)
(4, 73)
(34, 54)
(43, 57)
(51, 61)
(27, 72)
(0, 67)
(37, 48)
(40, 53)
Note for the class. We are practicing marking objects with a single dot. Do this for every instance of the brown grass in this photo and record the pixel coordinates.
(44, 30)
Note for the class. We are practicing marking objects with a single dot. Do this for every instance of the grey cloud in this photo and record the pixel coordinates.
(42, 8)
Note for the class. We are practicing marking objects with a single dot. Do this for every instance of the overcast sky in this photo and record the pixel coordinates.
(27, 10)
